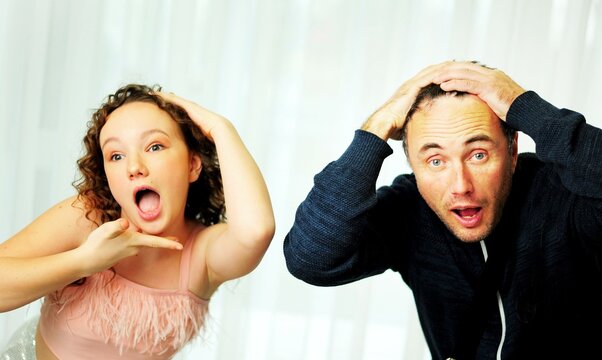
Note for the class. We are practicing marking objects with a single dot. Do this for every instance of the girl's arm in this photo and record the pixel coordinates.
(234, 249)
(41, 257)
(60, 247)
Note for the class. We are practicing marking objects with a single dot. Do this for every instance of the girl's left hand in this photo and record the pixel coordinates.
(205, 119)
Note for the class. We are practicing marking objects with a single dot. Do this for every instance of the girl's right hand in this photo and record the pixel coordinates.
(114, 241)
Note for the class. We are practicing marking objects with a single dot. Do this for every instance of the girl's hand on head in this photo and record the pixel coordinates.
(114, 241)
(206, 120)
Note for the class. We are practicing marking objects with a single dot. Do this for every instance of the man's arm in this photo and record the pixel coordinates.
(563, 138)
(331, 242)
(343, 230)
(574, 148)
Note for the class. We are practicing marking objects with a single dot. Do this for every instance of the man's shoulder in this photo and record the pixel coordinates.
(528, 163)
(529, 168)
(407, 181)
(403, 185)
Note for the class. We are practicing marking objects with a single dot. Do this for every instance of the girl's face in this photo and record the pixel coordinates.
(148, 166)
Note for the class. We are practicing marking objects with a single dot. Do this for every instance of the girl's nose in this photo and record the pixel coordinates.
(136, 167)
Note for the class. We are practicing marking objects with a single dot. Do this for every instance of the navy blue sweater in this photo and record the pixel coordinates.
(545, 255)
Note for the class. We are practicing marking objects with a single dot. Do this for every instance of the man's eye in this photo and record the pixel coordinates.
(479, 156)
(436, 162)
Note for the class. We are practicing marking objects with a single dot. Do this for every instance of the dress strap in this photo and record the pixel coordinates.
(185, 261)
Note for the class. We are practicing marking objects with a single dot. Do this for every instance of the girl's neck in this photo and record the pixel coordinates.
(180, 232)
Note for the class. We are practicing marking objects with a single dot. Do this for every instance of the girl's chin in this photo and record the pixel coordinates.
(144, 227)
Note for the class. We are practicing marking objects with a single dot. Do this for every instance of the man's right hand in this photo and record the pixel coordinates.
(388, 120)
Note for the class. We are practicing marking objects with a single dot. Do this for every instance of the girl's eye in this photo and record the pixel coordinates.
(155, 147)
(116, 157)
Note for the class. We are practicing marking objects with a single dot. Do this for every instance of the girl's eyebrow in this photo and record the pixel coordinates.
(150, 132)
(144, 135)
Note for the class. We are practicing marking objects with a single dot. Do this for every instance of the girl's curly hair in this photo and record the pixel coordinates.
(205, 201)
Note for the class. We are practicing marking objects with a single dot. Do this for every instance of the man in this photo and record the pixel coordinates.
(503, 252)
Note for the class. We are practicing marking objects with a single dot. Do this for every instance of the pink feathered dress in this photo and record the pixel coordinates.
(110, 317)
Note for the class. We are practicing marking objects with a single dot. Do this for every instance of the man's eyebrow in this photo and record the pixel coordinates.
(476, 138)
(480, 137)
(429, 146)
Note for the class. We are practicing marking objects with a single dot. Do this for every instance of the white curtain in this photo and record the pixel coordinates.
(296, 78)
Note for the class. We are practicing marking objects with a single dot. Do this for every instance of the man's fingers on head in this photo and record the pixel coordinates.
(427, 76)
(434, 68)
(460, 85)
(461, 70)
(467, 65)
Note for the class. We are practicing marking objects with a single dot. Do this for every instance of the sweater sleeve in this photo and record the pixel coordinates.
(332, 240)
(564, 140)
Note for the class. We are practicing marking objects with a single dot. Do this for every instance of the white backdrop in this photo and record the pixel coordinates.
(296, 78)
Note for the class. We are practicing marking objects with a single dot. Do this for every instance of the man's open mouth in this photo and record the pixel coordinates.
(467, 212)
(468, 217)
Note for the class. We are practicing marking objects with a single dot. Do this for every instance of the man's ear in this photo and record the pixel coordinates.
(515, 150)
(195, 168)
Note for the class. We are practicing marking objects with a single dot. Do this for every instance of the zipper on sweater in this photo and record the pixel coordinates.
(500, 306)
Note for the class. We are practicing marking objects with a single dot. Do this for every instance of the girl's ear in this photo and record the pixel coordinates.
(195, 168)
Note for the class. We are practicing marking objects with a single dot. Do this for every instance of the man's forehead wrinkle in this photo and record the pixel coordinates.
(464, 115)
(458, 127)
(441, 137)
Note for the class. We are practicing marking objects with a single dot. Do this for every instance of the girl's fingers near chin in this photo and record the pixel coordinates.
(156, 242)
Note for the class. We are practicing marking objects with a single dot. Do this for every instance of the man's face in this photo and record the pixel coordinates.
(459, 155)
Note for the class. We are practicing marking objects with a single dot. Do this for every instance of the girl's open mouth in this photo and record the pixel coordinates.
(148, 202)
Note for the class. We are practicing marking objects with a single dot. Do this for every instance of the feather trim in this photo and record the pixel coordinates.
(134, 317)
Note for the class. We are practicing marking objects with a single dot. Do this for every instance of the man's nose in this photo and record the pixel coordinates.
(462, 180)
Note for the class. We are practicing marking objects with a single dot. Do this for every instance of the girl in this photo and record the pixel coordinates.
(127, 267)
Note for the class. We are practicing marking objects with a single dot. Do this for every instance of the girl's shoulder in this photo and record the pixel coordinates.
(72, 212)
(201, 239)
(202, 233)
